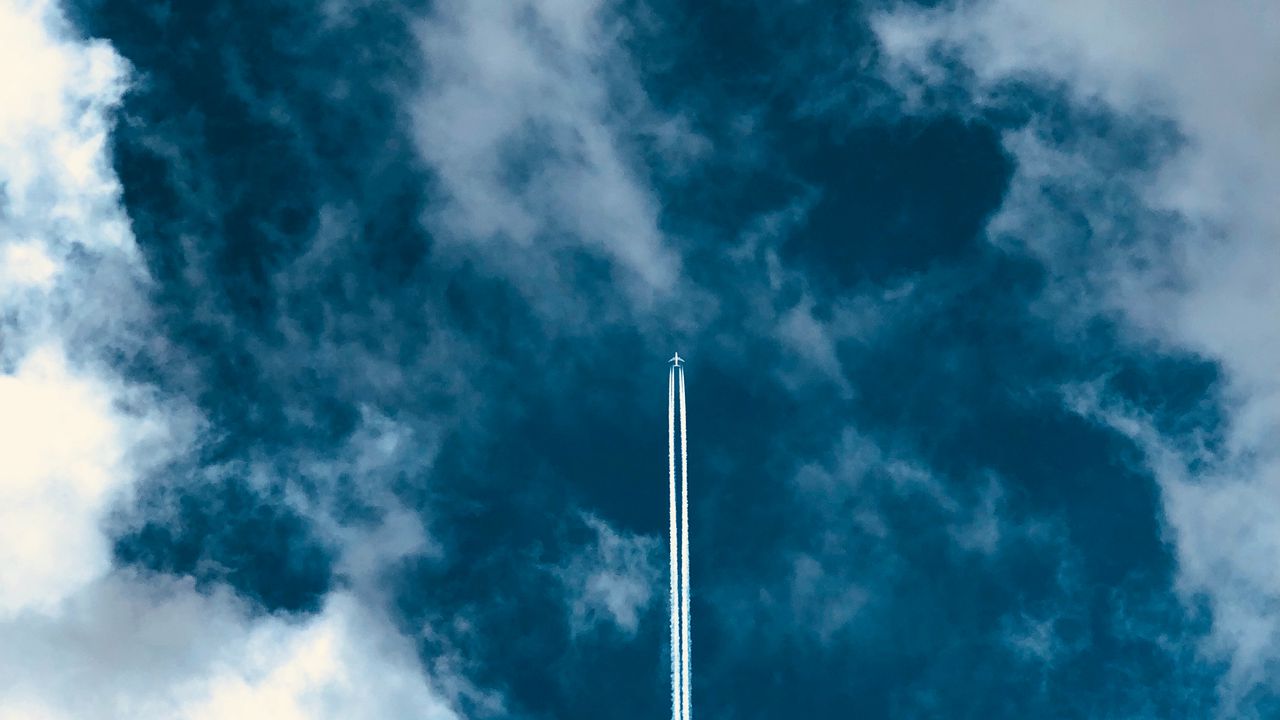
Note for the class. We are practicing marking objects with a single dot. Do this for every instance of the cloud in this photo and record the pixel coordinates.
(27, 265)
(611, 581)
(863, 520)
(73, 445)
(824, 600)
(150, 647)
(80, 433)
(356, 479)
(75, 435)
(56, 96)
(1175, 239)
(531, 119)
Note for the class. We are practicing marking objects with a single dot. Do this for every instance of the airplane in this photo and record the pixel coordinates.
(676, 360)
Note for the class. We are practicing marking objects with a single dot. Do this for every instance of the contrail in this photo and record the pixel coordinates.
(681, 692)
(684, 560)
(677, 711)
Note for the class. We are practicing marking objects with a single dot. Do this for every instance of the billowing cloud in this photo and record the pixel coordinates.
(73, 446)
(75, 435)
(1174, 235)
(80, 638)
(156, 648)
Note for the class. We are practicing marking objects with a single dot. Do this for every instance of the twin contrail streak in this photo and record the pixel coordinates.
(676, 705)
(681, 705)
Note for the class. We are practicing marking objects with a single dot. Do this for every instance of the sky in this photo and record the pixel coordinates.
(333, 341)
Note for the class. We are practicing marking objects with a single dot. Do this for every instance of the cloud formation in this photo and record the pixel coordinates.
(154, 647)
(318, 317)
(80, 638)
(612, 580)
(1180, 247)
(76, 436)
(533, 122)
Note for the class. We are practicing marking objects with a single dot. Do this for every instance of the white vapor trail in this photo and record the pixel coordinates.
(681, 705)
(676, 707)
(684, 560)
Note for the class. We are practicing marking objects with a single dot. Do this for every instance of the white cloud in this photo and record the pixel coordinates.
(55, 95)
(341, 664)
(376, 454)
(72, 444)
(129, 646)
(1185, 255)
(530, 117)
(74, 435)
(612, 580)
(26, 265)
(79, 638)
